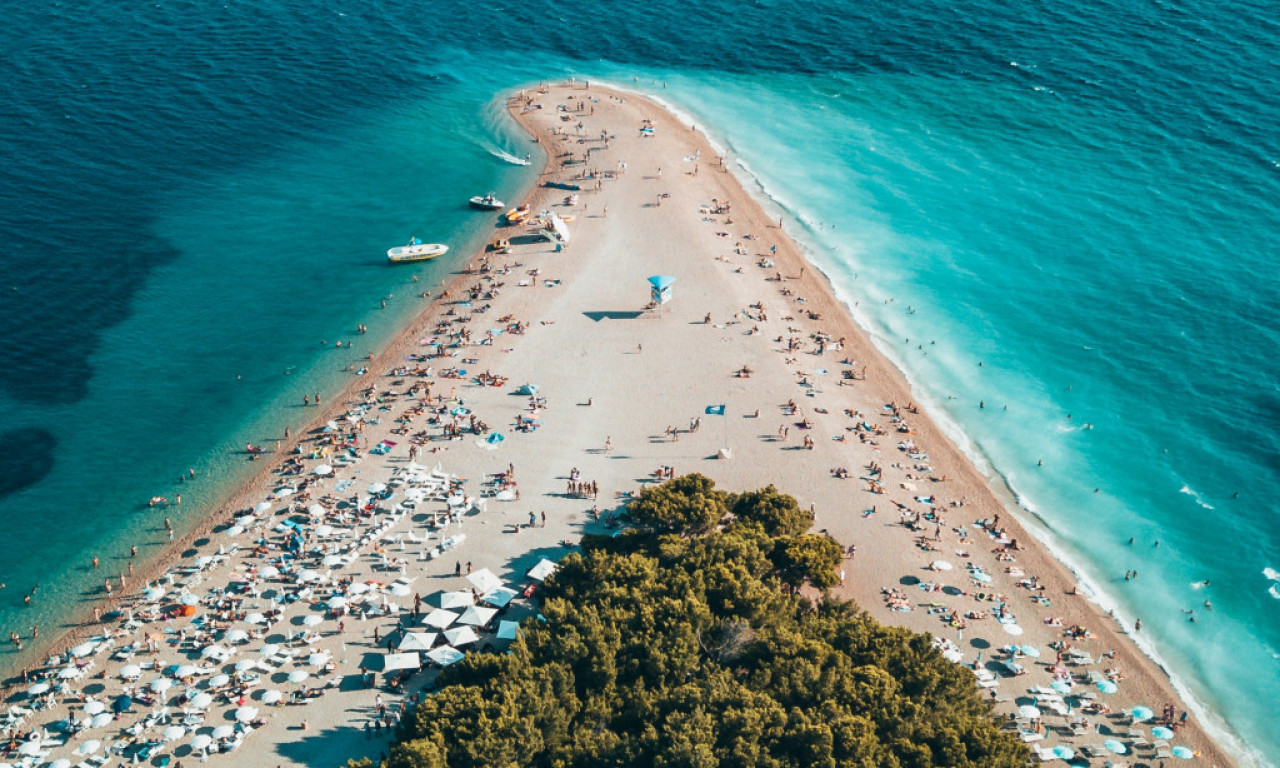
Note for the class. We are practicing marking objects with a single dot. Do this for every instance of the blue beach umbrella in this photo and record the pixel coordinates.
(1106, 686)
(495, 438)
(1063, 752)
(1142, 713)
(1115, 746)
(1182, 753)
(1160, 732)
(1060, 687)
(1030, 651)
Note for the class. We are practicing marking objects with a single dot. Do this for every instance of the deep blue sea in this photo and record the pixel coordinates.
(1065, 212)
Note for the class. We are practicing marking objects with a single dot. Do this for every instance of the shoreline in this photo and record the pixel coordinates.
(883, 378)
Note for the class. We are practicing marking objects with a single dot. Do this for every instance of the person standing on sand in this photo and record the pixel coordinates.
(608, 444)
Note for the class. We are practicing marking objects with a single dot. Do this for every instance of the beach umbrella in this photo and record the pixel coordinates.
(263, 506)
(204, 561)
(1026, 710)
(29, 749)
(400, 590)
(101, 720)
(89, 747)
(324, 530)
(377, 487)
(440, 618)
(67, 673)
(130, 671)
(332, 560)
(269, 572)
(161, 684)
(152, 594)
(298, 675)
(507, 629)
(236, 636)
(941, 565)
(337, 602)
(449, 600)
(460, 636)
(223, 732)
(1106, 686)
(1160, 732)
(359, 588)
(244, 665)
(417, 641)
(1142, 713)
(542, 570)
(484, 580)
(61, 762)
(270, 649)
(307, 574)
(283, 492)
(246, 714)
(186, 670)
(444, 655)
(201, 741)
(217, 681)
(256, 618)
(1030, 651)
(234, 530)
(1182, 753)
(123, 703)
(174, 732)
(1012, 629)
(271, 697)
(214, 651)
(477, 615)
(499, 597)
(322, 470)
(319, 658)
(84, 649)
(201, 700)
(1063, 752)
(94, 707)
(312, 619)
(1115, 745)
(1061, 686)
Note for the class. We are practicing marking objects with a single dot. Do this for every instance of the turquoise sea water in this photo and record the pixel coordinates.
(1068, 211)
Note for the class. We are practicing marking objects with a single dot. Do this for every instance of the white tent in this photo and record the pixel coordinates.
(455, 599)
(542, 570)
(417, 641)
(484, 580)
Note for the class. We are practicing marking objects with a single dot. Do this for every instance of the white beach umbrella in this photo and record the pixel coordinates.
(312, 620)
(337, 602)
(271, 696)
(84, 649)
(246, 714)
(201, 741)
(153, 594)
(283, 492)
(298, 675)
(89, 747)
(445, 655)
(323, 470)
(1026, 710)
(174, 732)
(332, 560)
(316, 510)
(161, 684)
(223, 732)
(201, 700)
(941, 565)
(187, 670)
(256, 618)
(440, 618)
(237, 636)
(324, 531)
(67, 673)
(269, 572)
(94, 707)
(484, 580)
(130, 671)
(101, 720)
(270, 649)
(359, 588)
(417, 641)
(214, 652)
(204, 561)
(61, 762)
(263, 506)
(217, 681)
(377, 487)
(234, 530)
(39, 689)
(460, 636)
(319, 659)
(450, 600)
(1012, 629)
(400, 590)
(307, 574)
(244, 665)
(29, 749)
(477, 615)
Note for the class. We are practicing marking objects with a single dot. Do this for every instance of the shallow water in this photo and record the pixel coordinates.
(1067, 212)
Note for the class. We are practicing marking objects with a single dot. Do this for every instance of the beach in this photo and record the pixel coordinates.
(617, 392)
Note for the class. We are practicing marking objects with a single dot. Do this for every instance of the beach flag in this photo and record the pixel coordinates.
(715, 410)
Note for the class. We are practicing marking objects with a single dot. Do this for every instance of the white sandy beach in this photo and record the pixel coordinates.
(626, 389)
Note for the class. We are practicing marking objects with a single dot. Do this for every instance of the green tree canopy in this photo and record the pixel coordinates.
(778, 513)
(664, 648)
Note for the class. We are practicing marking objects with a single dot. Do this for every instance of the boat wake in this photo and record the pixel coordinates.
(1274, 576)
(1188, 490)
(507, 157)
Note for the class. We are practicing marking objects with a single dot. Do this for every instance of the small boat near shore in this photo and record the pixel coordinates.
(487, 202)
(416, 250)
